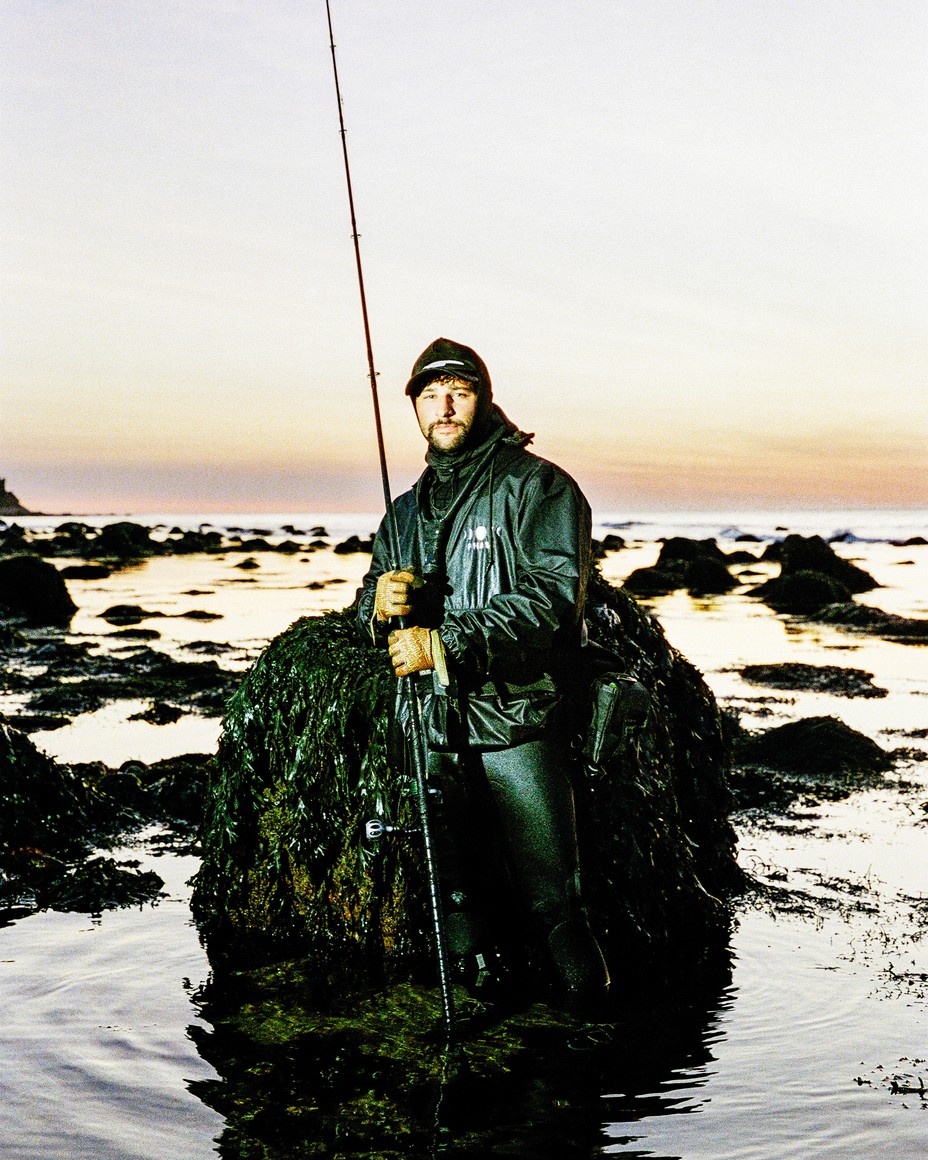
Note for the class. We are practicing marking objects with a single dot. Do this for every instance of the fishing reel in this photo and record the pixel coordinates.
(375, 829)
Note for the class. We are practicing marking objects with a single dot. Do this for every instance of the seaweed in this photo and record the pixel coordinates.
(304, 761)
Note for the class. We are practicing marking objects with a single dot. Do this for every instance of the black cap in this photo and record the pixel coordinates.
(444, 357)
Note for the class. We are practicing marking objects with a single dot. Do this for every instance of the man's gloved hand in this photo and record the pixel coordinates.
(410, 650)
(394, 593)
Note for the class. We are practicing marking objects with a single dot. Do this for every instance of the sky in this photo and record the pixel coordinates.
(688, 237)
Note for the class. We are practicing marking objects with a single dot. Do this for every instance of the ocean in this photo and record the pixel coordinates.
(815, 1049)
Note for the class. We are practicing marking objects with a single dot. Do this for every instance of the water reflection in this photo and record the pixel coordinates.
(369, 1078)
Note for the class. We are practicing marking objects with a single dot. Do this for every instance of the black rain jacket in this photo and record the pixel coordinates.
(505, 582)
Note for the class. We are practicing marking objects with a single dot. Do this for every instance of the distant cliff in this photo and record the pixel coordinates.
(9, 504)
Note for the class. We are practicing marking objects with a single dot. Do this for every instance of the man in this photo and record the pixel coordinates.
(490, 576)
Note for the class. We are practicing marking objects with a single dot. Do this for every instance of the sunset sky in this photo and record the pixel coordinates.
(687, 236)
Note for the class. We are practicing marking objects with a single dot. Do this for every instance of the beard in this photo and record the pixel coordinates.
(445, 441)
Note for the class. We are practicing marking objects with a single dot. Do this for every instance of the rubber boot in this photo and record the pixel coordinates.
(582, 968)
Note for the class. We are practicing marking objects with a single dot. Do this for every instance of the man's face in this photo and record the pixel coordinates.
(445, 409)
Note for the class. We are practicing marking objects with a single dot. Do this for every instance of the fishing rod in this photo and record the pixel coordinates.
(407, 685)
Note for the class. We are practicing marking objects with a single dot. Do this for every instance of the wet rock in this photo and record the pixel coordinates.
(609, 543)
(801, 592)
(212, 648)
(814, 746)
(289, 547)
(159, 713)
(37, 722)
(708, 577)
(354, 544)
(863, 618)
(303, 763)
(652, 581)
(318, 543)
(834, 679)
(697, 565)
(52, 816)
(136, 634)
(249, 563)
(85, 572)
(911, 542)
(683, 550)
(798, 554)
(254, 545)
(126, 614)
(199, 614)
(191, 542)
(33, 589)
(124, 539)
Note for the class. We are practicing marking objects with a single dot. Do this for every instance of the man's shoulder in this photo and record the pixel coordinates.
(527, 465)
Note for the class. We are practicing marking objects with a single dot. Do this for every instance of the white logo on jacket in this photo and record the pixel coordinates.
(478, 539)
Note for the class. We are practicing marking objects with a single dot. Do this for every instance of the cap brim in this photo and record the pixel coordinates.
(417, 382)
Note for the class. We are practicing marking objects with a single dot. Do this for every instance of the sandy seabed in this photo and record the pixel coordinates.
(816, 1049)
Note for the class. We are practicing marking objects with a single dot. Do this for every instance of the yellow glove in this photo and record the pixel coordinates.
(394, 593)
(410, 650)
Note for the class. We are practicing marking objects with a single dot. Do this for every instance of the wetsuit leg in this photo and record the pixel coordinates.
(460, 826)
(535, 803)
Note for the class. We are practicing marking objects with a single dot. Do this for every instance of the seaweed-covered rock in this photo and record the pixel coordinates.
(812, 554)
(802, 592)
(303, 763)
(50, 817)
(835, 679)
(814, 745)
(33, 589)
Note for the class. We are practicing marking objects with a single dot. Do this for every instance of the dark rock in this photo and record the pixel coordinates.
(318, 543)
(213, 648)
(190, 542)
(124, 539)
(249, 563)
(740, 558)
(812, 554)
(33, 589)
(254, 545)
(159, 713)
(801, 592)
(136, 634)
(911, 542)
(126, 614)
(303, 763)
(53, 815)
(683, 549)
(85, 572)
(37, 722)
(815, 746)
(839, 681)
(199, 614)
(289, 547)
(354, 544)
(653, 581)
(863, 618)
(708, 577)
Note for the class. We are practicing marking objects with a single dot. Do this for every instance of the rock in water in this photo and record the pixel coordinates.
(303, 764)
(33, 589)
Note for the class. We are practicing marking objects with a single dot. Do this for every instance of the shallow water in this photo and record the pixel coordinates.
(825, 1011)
